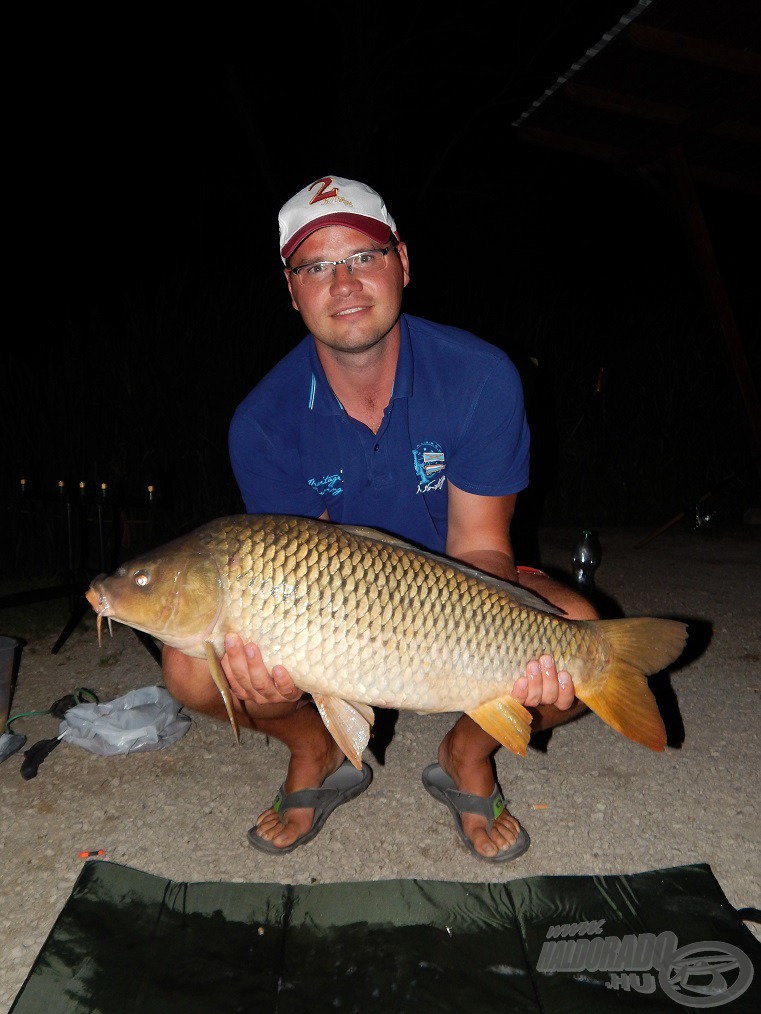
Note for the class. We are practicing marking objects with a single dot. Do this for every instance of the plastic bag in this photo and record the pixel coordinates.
(145, 719)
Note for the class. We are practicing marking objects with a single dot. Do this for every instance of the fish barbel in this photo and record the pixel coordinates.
(361, 619)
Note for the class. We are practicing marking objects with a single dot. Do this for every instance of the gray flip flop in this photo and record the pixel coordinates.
(344, 784)
(442, 788)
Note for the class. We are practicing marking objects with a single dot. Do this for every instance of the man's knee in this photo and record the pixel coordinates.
(580, 608)
(188, 679)
(571, 602)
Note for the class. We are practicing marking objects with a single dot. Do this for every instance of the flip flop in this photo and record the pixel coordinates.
(442, 788)
(344, 784)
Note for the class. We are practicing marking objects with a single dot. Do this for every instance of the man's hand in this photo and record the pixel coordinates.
(250, 679)
(543, 684)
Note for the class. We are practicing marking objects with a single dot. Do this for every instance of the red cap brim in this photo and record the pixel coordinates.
(377, 231)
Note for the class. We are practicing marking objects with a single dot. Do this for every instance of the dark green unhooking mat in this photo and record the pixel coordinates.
(128, 941)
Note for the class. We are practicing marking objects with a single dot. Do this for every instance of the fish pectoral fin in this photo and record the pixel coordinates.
(506, 720)
(348, 722)
(220, 681)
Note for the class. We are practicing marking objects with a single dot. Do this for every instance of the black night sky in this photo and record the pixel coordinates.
(146, 161)
(151, 165)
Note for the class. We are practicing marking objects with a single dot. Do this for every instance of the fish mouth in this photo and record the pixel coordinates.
(96, 598)
(100, 604)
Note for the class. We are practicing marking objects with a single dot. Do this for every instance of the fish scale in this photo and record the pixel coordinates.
(452, 621)
(360, 618)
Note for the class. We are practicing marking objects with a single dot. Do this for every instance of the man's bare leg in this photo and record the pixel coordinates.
(314, 754)
(466, 751)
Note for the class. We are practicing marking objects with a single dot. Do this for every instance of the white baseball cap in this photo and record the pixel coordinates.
(333, 200)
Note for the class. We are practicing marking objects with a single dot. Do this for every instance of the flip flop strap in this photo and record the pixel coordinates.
(306, 799)
(465, 802)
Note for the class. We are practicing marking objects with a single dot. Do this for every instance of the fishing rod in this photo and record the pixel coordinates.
(694, 508)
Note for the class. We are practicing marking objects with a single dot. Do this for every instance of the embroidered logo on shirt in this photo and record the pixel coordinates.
(428, 458)
(328, 485)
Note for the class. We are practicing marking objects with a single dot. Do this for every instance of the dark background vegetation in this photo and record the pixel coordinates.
(149, 175)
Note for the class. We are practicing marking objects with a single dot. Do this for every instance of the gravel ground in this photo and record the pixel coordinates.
(593, 802)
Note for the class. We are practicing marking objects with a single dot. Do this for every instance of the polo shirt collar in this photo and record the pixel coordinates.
(404, 368)
(320, 397)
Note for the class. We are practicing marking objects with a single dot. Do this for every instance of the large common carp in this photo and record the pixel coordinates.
(360, 618)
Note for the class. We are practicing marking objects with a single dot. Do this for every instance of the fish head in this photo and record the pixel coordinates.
(173, 593)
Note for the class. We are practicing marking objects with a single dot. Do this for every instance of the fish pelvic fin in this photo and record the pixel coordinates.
(636, 648)
(506, 720)
(348, 723)
(220, 681)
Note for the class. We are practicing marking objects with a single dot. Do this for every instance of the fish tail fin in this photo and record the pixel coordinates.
(637, 648)
(646, 643)
(506, 720)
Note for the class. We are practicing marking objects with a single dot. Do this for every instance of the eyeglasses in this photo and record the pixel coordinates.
(367, 262)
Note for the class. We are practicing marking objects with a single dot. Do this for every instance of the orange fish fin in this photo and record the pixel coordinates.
(626, 703)
(506, 720)
(646, 643)
(636, 648)
(220, 681)
(348, 723)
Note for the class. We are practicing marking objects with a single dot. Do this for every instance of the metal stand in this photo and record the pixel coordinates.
(74, 514)
(79, 582)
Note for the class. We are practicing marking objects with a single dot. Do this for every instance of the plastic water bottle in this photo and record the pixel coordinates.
(586, 559)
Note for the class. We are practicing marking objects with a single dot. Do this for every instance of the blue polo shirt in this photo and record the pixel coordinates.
(456, 412)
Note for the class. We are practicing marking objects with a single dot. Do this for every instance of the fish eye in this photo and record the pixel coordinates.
(142, 578)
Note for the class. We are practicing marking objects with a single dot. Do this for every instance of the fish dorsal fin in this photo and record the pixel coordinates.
(520, 595)
(373, 533)
(348, 723)
(507, 721)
